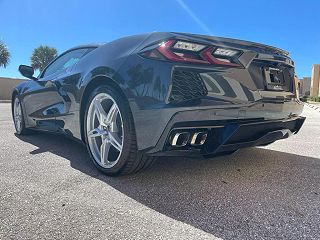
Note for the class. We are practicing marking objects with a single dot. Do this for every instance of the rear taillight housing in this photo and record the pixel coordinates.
(196, 53)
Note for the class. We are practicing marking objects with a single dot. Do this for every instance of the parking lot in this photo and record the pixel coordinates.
(50, 190)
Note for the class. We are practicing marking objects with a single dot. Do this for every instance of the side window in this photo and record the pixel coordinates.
(66, 60)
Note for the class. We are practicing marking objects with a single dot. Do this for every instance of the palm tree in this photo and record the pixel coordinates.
(4, 55)
(42, 56)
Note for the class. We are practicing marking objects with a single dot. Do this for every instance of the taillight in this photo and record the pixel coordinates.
(188, 52)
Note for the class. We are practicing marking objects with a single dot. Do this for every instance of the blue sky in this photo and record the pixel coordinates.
(289, 24)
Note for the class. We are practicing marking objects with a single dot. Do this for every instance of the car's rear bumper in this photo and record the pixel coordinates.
(268, 122)
(228, 136)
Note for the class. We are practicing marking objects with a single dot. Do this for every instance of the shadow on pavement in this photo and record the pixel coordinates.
(254, 193)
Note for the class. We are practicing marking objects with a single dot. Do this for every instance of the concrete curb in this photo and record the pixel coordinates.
(5, 101)
(314, 107)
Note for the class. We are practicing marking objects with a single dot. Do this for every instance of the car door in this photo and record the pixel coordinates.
(46, 99)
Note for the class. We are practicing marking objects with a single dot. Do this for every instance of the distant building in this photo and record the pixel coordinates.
(315, 81)
(6, 87)
(304, 85)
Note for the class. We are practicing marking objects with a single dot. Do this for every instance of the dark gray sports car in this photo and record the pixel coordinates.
(162, 94)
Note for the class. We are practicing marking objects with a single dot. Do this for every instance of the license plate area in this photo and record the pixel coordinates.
(274, 79)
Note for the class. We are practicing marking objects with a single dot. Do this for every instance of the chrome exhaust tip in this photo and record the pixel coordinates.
(180, 139)
(198, 138)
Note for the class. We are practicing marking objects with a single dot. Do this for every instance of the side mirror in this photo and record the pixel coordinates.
(27, 72)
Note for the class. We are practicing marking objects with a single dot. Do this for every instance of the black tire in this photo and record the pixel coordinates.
(130, 161)
(23, 130)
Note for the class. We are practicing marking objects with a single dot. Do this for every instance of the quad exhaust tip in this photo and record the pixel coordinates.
(198, 138)
(181, 139)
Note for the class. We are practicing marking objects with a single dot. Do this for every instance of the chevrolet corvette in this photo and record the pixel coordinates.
(162, 94)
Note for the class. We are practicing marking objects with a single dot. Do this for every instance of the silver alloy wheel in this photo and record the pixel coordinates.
(105, 130)
(17, 115)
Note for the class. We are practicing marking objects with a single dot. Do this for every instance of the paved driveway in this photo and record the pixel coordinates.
(49, 190)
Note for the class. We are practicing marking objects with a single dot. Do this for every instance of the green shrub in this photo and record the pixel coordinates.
(304, 99)
(315, 99)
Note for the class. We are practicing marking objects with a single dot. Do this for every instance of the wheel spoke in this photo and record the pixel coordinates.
(17, 115)
(18, 122)
(112, 114)
(115, 141)
(111, 119)
(101, 114)
(97, 132)
(104, 151)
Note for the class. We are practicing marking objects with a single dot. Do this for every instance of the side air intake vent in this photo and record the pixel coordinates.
(186, 86)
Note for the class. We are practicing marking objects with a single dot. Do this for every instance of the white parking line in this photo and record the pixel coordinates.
(314, 107)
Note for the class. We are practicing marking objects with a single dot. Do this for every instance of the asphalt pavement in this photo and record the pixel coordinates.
(50, 190)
